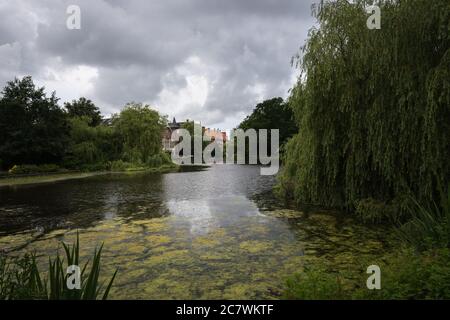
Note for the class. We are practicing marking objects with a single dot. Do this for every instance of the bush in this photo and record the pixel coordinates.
(158, 160)
(314, 284)
(405, 275)
(120, 165)
(410, 275)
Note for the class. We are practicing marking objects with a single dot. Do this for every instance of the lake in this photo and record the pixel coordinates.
(217, 233)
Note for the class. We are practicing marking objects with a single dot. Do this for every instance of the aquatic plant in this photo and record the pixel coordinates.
(429, 226)
(20, 277)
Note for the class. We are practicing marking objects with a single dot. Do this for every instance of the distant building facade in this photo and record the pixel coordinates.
(215, 134)
(168, 144)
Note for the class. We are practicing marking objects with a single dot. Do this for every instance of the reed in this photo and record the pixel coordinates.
(20, 277)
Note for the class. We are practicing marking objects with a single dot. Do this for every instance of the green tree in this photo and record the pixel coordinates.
(272, 114)
(84, 108)
(140, 129)
(91, 145)
(372, 105)
(33, 128)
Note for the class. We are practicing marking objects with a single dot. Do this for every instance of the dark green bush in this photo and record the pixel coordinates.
(410, 275)
(314, 284)
(119, 166)
(158, 160)
(406, 274)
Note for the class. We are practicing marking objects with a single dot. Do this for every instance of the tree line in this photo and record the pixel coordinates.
(35, 130)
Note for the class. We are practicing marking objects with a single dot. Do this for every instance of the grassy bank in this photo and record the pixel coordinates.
(405, 274)
(130, 168)
(12, 180)
(23, 180)
(417, 266)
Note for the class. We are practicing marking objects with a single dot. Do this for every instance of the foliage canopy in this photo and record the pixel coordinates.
(373, 106)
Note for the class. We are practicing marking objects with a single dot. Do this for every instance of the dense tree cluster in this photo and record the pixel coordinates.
(373, 106)
(272, 114)
(35, 130)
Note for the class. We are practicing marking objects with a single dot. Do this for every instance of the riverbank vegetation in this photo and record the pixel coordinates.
(20, 278)
(39, 136)
(14, 180)
(418, 266)
(372, 107)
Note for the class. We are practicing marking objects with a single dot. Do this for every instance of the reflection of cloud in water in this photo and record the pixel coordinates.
(111, 206)
(205, 215)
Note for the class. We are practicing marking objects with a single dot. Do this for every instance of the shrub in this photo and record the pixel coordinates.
(405, 275)
(158, 160)
(410, 275)
(314, 284)
(119, 165)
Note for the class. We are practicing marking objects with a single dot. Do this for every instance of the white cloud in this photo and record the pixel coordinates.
(69, 82)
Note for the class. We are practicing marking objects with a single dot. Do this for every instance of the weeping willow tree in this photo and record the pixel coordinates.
(372, 106)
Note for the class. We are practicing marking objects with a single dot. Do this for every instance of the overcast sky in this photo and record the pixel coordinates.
(208, 60)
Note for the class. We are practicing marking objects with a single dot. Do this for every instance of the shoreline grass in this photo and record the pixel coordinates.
(21, 279)
(11, 180)
(45, 178)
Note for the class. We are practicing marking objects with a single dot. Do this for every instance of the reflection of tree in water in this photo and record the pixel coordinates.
(80, 203)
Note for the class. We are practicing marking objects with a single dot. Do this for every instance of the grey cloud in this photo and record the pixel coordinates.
(139, 48)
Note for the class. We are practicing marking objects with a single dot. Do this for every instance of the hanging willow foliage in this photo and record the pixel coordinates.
(373, 106)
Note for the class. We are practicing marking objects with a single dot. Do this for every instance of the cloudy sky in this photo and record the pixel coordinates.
(208, 60)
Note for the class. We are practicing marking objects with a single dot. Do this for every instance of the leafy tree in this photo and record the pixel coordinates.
(139, 128)
(91, 145)
(272, 114)
(372, 105)
(84, 108)
(33, 128)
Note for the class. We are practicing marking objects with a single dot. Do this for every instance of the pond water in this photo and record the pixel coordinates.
(217, 233)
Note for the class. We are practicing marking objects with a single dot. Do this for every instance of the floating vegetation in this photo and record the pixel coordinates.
(161, 259)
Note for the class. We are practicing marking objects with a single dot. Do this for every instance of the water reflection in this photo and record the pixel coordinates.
(83, 203)
(212, 234)
(206, 215)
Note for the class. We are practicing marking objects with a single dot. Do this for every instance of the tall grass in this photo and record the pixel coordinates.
(20, 277)
(419, 270)
(429, 226)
